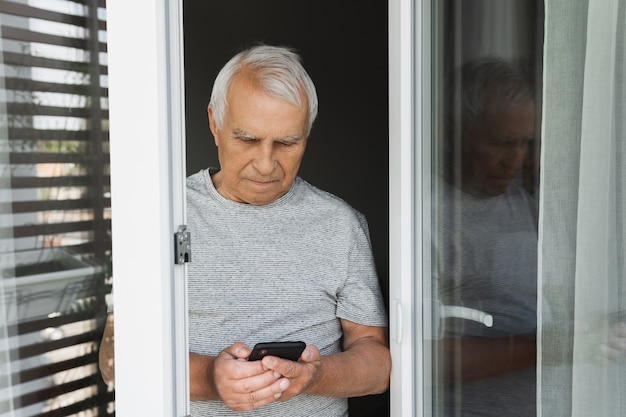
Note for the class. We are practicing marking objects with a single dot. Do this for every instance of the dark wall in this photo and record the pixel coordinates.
(344, 48)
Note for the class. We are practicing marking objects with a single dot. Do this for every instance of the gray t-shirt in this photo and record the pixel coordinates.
(487, 253)
(288, 270)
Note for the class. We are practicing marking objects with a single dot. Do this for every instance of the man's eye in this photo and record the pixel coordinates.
(287, 143)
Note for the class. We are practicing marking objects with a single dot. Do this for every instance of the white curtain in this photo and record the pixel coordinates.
(582, 281)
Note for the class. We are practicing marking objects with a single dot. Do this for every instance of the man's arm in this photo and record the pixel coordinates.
(200, 387)
(106, 357)
(362, 368)
(471, 358)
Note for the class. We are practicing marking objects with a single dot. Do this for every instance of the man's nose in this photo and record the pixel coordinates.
(264, 161)
(514, 158)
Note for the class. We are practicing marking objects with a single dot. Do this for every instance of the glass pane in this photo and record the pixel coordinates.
(484, 215)
(55, 217)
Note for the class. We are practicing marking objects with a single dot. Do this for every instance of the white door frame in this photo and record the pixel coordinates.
(147, 181)
(146, 105)
(409, 205)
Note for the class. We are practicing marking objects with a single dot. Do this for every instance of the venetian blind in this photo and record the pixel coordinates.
(55, 219)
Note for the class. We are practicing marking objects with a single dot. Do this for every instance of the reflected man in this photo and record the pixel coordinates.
(487, 244)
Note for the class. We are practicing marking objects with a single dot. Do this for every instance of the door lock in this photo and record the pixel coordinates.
(182, 245)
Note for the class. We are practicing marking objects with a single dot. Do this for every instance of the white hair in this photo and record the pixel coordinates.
(276, 70)
(490, 82)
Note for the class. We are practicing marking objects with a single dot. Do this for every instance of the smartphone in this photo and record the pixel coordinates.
(285, 350)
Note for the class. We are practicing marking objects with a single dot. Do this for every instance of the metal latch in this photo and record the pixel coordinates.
(182, 245)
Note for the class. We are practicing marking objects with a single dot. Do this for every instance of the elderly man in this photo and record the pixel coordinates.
(487, 243)
(276, 259)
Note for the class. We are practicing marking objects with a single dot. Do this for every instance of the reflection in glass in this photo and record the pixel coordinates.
(486, 210)
(55, 220)
(487, 242)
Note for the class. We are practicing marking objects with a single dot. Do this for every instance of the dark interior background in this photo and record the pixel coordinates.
(344, 48)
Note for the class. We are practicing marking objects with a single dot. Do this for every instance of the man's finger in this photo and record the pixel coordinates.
(238, 350)
(283, 367)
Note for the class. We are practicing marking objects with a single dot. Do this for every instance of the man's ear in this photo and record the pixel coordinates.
(212, 125)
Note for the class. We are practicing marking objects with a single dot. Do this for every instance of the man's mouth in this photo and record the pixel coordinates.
(262, 183)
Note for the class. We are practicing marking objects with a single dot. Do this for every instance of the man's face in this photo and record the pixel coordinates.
(260, 144)
(494, 149)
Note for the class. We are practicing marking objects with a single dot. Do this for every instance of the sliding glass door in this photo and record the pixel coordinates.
(464, 131)
(507, 208)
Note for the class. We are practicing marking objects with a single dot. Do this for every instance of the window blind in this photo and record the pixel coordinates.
(55, 217)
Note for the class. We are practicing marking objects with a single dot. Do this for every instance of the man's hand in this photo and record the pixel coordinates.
(615, 347)
(229, 377)
(362, 368)
(300, 374)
